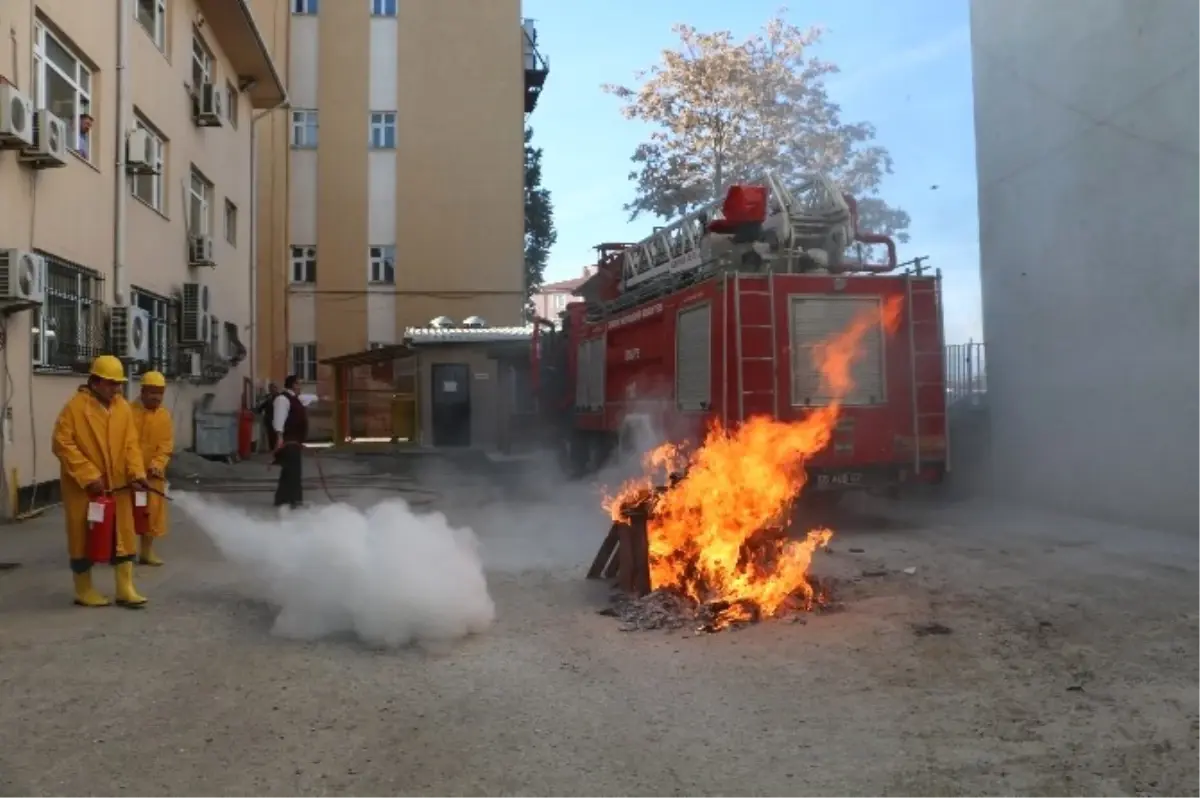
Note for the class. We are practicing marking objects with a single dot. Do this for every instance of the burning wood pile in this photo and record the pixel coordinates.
(713, 546)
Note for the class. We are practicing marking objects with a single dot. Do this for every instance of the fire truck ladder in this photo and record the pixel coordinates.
(923, 360)
(811, 216)
(741, 326)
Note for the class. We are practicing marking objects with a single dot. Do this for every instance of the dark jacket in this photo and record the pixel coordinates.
(266, 408)
(295, 428)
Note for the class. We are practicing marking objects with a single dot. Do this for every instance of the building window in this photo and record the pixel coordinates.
(152, 14)
(231, 105)
(304, 129)
(213, 350)
(202, 63)
(382, 265)
(230, 342)
(199, 204)
(68, 329)
(304, 264)
(303, 362)
(306, 7)
(231, 222)
(63, 85)
(149, 188)
(383, 130)
(162, 343)
(383, 8)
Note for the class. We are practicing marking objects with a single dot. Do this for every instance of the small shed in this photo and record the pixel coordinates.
(444, 386)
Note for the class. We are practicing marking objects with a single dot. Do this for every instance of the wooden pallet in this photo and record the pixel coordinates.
(624, 554)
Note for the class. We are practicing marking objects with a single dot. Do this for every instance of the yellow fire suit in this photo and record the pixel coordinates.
(97, 442)
(156, 431)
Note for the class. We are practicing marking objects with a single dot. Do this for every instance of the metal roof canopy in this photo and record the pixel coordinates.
(370, 357)
(503, 339)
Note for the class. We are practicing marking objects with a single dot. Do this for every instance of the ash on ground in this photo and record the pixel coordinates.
(668, 609)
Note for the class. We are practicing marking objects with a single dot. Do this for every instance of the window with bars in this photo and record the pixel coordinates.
(164, 355)
(68, 329)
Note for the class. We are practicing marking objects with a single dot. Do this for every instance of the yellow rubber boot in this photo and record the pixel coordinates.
(147, 556)
(85, 594)
(126, 595)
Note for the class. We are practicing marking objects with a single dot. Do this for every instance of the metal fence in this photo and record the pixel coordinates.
(966, 371)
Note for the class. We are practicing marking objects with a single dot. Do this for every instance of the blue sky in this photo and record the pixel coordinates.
(906, 67)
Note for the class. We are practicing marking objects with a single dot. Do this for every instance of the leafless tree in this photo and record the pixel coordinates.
(725, 111)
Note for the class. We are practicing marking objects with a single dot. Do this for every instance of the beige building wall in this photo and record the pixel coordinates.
(269, 355)
(69, 213)
(440, 87)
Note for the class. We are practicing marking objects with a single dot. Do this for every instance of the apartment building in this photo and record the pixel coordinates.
(125, 204)
(404, 171)
(551, 299)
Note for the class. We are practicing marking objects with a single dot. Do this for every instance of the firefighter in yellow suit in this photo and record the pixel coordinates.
(96, 442)
(156, 431)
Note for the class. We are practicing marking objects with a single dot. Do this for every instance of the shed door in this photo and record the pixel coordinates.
(816, 319)
(693, 358)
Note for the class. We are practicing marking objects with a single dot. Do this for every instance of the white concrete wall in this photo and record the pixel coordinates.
(381, 300)
(302, 196)
(302, 201)
(303, 67)
(302, 316)
(384, 64)
(1086, 125)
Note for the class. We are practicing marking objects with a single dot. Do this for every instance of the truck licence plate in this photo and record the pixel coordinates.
(845, 479)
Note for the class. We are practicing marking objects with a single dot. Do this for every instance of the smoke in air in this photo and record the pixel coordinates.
(384, 574)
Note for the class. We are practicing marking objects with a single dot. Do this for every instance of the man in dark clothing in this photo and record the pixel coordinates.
(289, 418)
(266, 410)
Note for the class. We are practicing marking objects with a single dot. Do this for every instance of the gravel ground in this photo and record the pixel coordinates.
(1069, 668)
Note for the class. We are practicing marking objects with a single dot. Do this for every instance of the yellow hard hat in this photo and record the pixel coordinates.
(107, 367)
(154, 379)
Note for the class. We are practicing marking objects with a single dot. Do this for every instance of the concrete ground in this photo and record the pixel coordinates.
(1069, 668)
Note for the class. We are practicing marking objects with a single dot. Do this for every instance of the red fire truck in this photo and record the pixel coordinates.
(714, 318)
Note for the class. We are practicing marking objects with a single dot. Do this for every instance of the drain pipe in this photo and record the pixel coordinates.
(120, 288)
(253, 333)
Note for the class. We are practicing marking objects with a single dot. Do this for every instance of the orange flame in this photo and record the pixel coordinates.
(706, 528)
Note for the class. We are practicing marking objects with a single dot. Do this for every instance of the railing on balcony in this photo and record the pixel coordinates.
(966, 372)
(536, 65)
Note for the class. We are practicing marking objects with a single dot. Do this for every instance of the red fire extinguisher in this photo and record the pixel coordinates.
(141, 512)
(102, 528)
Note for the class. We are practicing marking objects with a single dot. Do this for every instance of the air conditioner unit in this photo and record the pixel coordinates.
(49, 147)
(139, 153)
(22, 277)
(206, 106)
(16, 118)
(195, 322)
(129, 333)
(200, 251)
